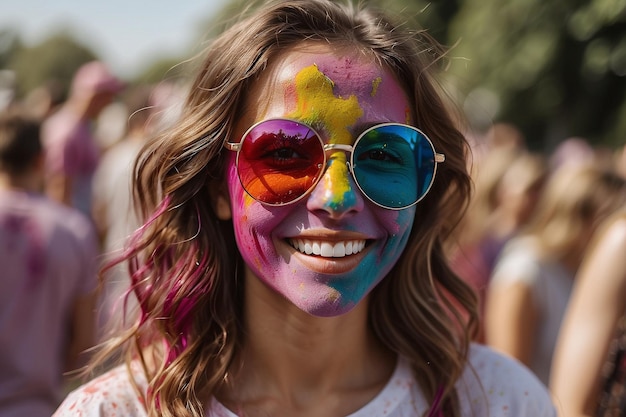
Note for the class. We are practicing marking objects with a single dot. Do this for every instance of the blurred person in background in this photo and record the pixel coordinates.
(589, 366)
(47, 279)
(574, 150)
(498, 137)
(112, 211)
(533, 278)
(72, 153)
(7, 89)
(111, 125)
(505, 136)
(44, 100)
(507, 185)
(115, 216)
(619, 160)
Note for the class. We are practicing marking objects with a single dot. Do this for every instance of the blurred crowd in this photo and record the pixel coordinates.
(540, 227)
(65, 212)
(543, 243)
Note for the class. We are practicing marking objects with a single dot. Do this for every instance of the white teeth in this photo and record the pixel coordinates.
(316, 248)
(328, 249)
(348, 248)
(339, 250)
(305, 247)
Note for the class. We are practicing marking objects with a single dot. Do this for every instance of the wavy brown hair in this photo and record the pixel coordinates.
(184, 263)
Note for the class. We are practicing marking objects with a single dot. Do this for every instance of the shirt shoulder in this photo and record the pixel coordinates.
(518, 263)
(497, 385)
(110, 395)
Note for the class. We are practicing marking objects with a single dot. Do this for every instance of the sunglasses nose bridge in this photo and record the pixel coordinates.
(348, 149)
(336, 192)
(338, 146)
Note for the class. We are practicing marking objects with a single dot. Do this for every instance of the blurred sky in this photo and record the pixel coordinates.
(125, 33)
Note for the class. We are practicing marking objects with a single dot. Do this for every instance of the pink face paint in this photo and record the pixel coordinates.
(326, 252)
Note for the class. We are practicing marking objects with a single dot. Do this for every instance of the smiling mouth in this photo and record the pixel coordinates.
(327, 249)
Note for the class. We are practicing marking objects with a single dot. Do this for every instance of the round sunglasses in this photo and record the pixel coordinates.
(279, 161)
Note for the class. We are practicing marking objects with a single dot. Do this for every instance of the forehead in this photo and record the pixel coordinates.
(318, 82)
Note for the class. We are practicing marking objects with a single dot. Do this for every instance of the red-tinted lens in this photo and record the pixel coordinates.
(279, 161)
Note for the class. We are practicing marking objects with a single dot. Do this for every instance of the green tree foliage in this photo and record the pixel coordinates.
(554, 68)
(10, 44)
(557, 67)
(432, 16)
(56, 58)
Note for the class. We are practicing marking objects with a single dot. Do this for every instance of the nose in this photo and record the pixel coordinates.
(336, 193)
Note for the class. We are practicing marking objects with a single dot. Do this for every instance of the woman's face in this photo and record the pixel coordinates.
(340, 93)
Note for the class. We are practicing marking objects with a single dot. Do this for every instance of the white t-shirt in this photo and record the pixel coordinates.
(491, 386)
(551, 284)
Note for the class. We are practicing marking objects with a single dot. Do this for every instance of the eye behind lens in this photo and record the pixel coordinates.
(280, 161)
(393, 165)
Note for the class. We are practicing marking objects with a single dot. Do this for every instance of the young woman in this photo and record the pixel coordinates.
(291, 262)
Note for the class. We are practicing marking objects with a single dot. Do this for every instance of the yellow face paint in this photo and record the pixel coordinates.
(375, 85)
(317, 105)
(336, 183)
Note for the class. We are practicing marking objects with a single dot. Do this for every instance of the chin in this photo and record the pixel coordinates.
(327, 308)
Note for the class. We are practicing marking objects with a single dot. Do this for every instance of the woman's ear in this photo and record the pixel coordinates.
(220, 199)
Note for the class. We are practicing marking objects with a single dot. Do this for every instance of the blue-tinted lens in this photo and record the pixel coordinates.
(394, 165)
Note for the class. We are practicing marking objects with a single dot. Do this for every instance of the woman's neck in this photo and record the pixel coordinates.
(291, 359)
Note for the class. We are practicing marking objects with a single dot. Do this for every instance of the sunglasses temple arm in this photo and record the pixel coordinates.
(439, 158)
(232, 146)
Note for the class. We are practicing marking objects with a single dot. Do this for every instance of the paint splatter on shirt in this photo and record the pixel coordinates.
(492, 385)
